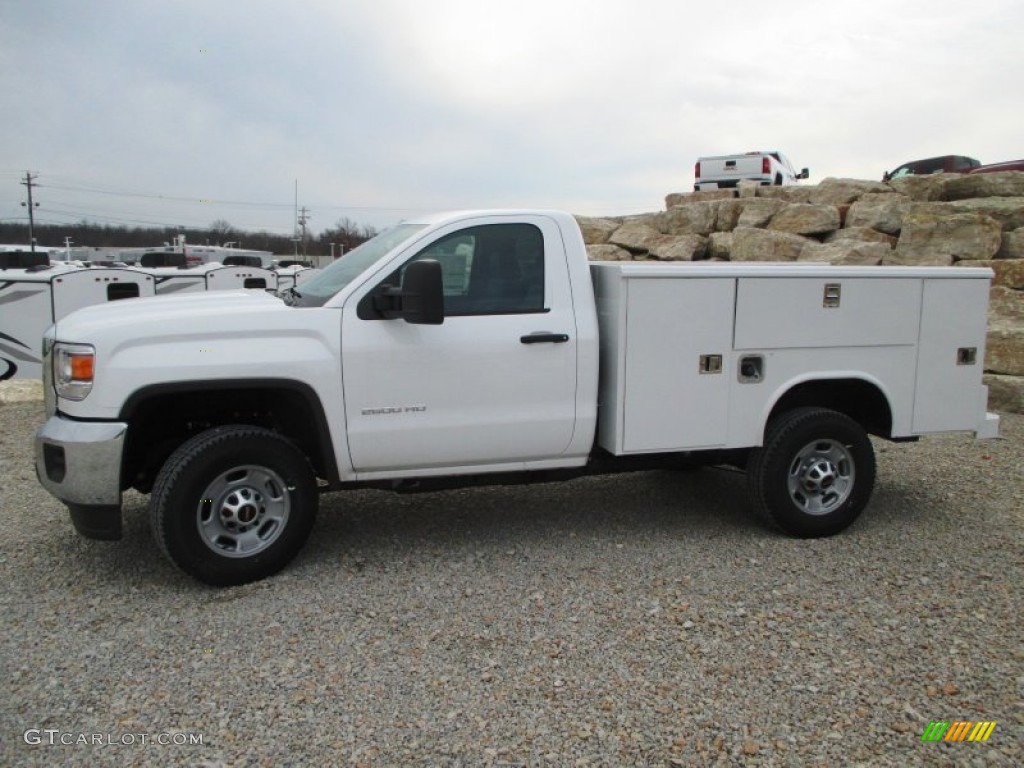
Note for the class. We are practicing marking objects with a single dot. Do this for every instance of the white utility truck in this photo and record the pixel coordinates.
(727, 171)
(483, 347)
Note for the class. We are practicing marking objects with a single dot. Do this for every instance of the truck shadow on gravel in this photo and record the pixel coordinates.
(695, 504)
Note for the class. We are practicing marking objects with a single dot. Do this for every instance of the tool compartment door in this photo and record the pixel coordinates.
(671, 401)
(799, 313)
(953, 318)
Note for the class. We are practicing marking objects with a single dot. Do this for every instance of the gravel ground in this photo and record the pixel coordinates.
(632, 620)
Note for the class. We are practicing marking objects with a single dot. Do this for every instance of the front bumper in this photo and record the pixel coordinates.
(79, 462)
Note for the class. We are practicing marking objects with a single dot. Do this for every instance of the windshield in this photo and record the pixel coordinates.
(317, 291)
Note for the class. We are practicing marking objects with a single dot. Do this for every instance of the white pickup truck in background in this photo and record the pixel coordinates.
(727, 171)
(483, 347)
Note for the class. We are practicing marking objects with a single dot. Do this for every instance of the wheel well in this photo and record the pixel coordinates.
(862, 401)
(162, 417)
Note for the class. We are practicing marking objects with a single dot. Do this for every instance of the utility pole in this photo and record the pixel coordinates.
(29, 178)
(295, 221)
(303, 218)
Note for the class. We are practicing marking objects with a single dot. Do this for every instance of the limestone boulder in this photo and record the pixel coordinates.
(861, 234)
(1005, 306)
(846, 253)
(879, 211)
(1004, 352)
(636, 236)
(608, 252)
(719, 246)
(596, 231)
(752, 244)
(973, 185)
(790, 193)
(691, 219)
(1012, 246)
(680, 248)
(923, 189)
(832, 191)
(929, 238)
(758, 212)
(727, 216)
(747, 188)
(1008, 211)
(1005, 393)
(682, 198)
(806, 219)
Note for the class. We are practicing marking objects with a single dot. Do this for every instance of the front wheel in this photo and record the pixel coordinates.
(233, 504)
(815, 473)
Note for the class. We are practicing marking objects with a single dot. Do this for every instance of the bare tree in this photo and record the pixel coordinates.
(222, 230)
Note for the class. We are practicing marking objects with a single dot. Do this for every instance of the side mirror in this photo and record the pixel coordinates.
(805, 173)
(423, 293)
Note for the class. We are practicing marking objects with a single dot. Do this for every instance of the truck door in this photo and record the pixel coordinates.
(495, 383)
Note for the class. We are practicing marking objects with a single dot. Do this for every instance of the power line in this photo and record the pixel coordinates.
(204, 200)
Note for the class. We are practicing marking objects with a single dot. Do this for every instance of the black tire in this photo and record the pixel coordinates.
(778, 179)
(233, 504)
(815, 473)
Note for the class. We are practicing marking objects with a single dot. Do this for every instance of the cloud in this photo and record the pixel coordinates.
(385, 106)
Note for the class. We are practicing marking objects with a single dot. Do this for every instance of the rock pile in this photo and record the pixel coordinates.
(940, 220)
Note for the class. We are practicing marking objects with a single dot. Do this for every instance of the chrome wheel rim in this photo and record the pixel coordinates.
(821, 477)
(243, 511)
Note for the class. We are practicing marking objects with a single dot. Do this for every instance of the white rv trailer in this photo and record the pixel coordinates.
(224, 278)
(209, 277)
(32, 299)
(194, 255)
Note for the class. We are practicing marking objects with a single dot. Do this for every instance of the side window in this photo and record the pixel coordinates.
(497, 269)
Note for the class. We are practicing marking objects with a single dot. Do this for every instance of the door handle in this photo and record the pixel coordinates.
(543, 337)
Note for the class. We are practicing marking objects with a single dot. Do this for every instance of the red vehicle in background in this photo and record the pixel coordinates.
(1010, 165)
(951, 164)
(943, 164)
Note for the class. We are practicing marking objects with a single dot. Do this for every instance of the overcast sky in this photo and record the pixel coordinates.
(179, 112)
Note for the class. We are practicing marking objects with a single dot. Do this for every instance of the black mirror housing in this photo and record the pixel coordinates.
(804, 174)
(423, 293)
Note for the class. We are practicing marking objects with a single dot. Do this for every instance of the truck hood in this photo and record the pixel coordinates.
(168, 315)
(160, 341)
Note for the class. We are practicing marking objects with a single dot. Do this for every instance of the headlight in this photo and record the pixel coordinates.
(73, 368)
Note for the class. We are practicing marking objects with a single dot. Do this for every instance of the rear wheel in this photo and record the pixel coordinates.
(815, 473)
(233, 504)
